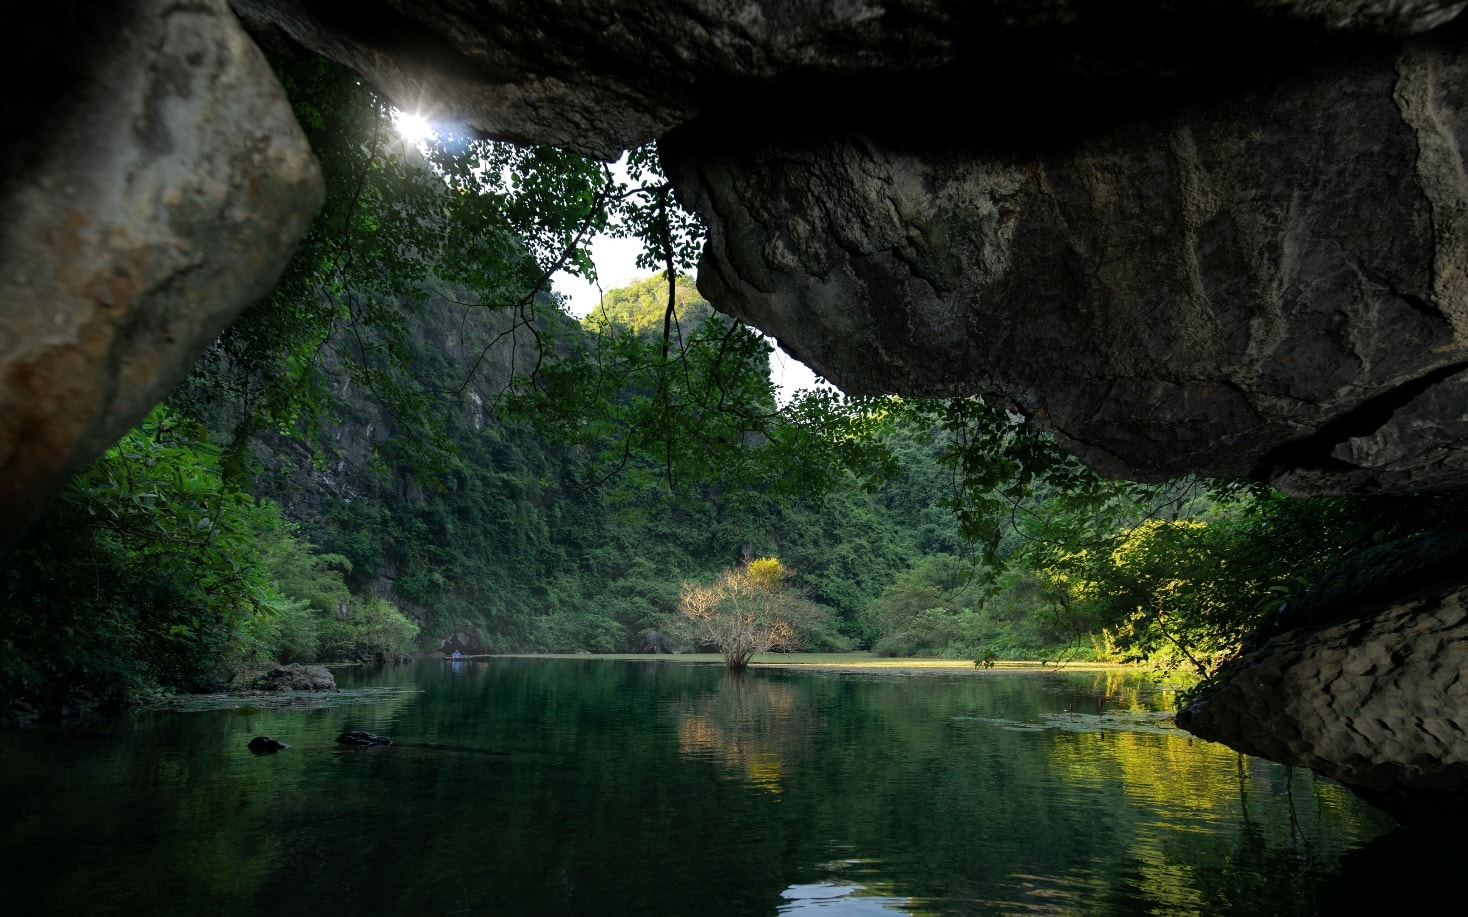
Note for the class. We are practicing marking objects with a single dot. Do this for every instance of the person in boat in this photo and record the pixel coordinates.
(458, 655)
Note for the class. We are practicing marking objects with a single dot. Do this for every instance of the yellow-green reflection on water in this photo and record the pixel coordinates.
(585, 786)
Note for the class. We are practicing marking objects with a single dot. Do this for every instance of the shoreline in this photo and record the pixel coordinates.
(855, 663)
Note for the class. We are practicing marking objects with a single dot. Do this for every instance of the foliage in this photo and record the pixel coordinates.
(1011, 484)
(372, 630)
(641, 306)
(944, 607)
(482, 224)
(139, 574)
(487, 463)
(1189, 590)
(745, 611)
(149, 571)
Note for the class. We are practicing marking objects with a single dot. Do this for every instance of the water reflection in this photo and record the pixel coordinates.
(752, 725)
(827, 899)
(571, 787)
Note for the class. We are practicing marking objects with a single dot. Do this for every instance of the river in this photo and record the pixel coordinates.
(587, 786)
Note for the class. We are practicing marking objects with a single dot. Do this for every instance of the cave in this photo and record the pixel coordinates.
(1225, 238)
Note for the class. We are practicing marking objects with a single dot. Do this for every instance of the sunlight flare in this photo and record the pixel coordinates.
(413, 126)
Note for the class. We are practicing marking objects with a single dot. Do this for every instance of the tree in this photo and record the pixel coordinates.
(746, 610)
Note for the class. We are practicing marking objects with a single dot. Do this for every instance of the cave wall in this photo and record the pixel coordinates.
(1259, 273)
(154, 184)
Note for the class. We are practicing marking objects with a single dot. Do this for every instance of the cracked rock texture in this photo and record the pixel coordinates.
(1373, 696)
(154, 184)
(1266, 280)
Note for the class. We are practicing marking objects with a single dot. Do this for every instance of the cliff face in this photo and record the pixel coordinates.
(1111, 217)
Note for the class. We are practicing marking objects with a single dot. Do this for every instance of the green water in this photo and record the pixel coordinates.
(568, 786)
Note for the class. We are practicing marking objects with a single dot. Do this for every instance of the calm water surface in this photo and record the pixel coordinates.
(568, 786)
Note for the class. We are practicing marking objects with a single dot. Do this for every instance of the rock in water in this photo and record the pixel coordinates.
(362, 739)
(296, 677)
(265, 745)
(1367, 690)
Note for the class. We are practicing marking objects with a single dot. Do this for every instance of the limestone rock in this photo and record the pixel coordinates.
(296, 677)
(601, 76)
(1373, 697)
(1261, 276)
(153, 182)
(465, 641)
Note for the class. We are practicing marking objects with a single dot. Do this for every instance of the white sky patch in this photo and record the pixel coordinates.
(616, 266)
(791, 375)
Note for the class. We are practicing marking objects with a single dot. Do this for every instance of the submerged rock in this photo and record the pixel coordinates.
(362, 739)
(265, 745)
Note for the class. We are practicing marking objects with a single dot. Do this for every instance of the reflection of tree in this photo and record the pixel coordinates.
(1176, 788)
(1112, 692)
(751, 725)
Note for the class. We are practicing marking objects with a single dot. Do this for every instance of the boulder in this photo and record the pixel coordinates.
(1362, 682)
(265, 745)
(296, 677)
(154, 183)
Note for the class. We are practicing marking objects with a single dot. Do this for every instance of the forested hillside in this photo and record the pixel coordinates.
(512, 543)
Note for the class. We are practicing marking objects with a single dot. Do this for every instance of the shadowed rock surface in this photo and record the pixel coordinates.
(154, 183)
(1264, 280)
(601, 76)
(1367, 683)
